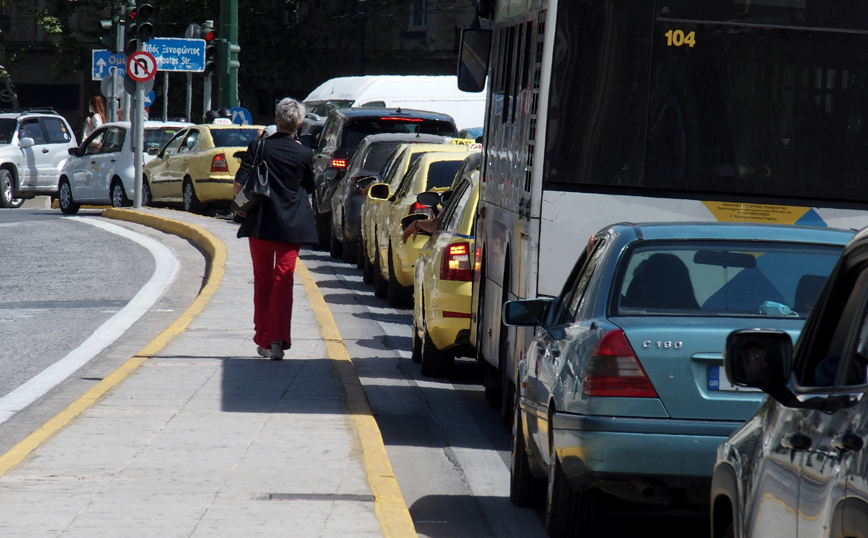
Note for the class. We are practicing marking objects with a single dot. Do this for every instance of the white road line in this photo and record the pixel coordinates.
(166, 270)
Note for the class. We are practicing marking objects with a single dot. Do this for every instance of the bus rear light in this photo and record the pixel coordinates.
(614, 370)
(219, 164)
(455, 264)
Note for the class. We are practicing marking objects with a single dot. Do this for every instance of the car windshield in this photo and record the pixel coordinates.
(322, 108)
(722, 278)
(441, 173)
(232, 138)
(157, 137)
(7, 129)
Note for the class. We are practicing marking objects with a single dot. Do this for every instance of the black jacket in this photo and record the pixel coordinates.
(287, 215)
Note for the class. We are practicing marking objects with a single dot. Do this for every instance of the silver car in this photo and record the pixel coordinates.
(33, 148)
(101, 170)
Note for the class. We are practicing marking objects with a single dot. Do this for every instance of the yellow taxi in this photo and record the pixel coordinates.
(432, 171)
(443, 286)
(373, 209)
(197, 166)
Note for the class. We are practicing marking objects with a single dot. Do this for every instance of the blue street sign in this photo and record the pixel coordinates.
(241, 116)
(177, 54)
(149, 98)
(103, 60)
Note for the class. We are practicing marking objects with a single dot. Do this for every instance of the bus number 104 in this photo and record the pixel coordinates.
(676, 38)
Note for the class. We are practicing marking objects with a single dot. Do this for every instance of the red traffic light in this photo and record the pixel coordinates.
(208, 35)
(132, 15)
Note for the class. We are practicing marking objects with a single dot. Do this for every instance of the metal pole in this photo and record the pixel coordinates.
(206, 101)
(189, 108)
(138, 136)
(165, 97)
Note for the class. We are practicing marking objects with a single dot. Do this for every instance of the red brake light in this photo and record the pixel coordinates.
(219, 164)
(338, 163)
(406, 120)
(455, 264)
(614, 370)
(417, 208)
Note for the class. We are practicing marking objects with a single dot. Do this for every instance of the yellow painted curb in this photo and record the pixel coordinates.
(389, 504)
(217, 254)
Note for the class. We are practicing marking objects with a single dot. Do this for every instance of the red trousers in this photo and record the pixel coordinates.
(273, 275)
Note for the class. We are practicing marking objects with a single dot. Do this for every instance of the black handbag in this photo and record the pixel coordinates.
(256, 188)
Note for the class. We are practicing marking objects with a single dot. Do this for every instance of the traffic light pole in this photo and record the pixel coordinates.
(229, 33)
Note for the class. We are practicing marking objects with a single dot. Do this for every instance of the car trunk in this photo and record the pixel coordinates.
(683, 358)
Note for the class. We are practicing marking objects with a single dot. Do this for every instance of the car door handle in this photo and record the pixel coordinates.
(848, 442)
(44, 150)
(796, 441)
(556, 352)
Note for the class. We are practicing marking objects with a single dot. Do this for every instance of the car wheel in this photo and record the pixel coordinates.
(435, 363)
(323, 230)
(396, 295)
(380, 283)
(146, 193)
(570, 513)
(360, 253)
(119, 196)
(191, 201)
(524, 489)
(416, 354)
(64, 197)
(351, 252)
(6, 185)
(335, 247)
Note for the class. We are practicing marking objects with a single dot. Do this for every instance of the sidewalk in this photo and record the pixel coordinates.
(197, 436)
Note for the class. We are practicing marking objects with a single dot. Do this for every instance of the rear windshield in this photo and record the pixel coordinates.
(157, 138)
(722, 278)
(441, 173)
(359, 128)
(230, 138)
(377, 156)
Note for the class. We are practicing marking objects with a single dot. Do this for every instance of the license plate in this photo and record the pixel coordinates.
(717, 380)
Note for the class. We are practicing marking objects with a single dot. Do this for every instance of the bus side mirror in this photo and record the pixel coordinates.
(473, 59)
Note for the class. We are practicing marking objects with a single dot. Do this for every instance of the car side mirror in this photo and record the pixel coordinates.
(73, 151)
(759, 358)
(525, 312)
(428, 198)
(379, 191)
(410, 219)
(26, 142)
(330, 173)
(153, 151)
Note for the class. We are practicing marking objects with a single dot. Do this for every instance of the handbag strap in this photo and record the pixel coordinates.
(258, 153)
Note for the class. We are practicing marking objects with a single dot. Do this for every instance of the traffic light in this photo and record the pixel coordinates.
(131, 43)
(206, 32)
(109, 34)
(227, 51)
(144, 20)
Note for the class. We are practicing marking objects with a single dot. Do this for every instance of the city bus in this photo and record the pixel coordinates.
(604, 111)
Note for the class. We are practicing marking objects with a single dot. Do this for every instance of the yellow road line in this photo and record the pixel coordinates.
(216, 251)
(389, 504)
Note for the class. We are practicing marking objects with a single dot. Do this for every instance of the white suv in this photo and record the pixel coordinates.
(34, 145)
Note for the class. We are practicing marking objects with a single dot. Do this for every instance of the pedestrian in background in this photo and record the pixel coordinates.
(277, 228)
(97, 114)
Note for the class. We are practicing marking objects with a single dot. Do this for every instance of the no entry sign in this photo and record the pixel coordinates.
(141, 66)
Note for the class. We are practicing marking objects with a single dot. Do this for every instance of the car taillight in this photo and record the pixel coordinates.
(614, 370)
(406, 120)
(455, 264)
(219, 164)
(338, 163)
(418, 208)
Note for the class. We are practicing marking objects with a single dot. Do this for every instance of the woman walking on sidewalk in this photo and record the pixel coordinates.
(277, 228)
